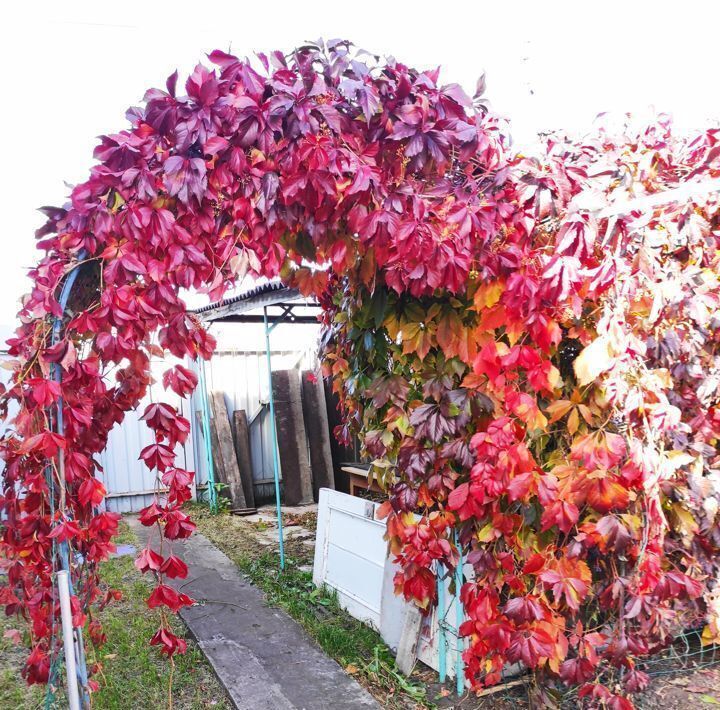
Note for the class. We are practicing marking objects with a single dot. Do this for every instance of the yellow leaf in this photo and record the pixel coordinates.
(432, 312)
(487, 295)
(685, 520)
(514, 331)
(414, 311)
(486, 534)
(709, 636)
(351, 669)
(595, 359)
(573, 421)
(403, 425)
(586, 413)
(553, 377)
(392, 326)
(557, 410)
(676, 459)
(410, 330)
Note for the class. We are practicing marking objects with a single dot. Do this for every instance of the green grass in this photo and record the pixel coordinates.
(133, 673)
(354, 645)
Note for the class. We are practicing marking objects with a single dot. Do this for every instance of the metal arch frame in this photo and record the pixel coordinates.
(64, 548)
(623, 207)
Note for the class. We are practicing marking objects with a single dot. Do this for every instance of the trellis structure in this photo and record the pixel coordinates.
(494, 342)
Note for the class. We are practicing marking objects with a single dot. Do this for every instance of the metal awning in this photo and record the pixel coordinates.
(274, 294)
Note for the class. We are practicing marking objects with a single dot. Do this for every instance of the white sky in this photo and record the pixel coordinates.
(70, 69)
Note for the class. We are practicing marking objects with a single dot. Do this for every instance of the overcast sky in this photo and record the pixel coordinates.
(70, 69)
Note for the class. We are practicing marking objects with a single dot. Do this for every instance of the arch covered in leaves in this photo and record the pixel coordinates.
(526, 369)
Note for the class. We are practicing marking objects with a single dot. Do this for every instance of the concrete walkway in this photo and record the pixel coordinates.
(262, 656)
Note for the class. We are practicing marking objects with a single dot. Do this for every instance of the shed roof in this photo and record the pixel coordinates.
(237, 309)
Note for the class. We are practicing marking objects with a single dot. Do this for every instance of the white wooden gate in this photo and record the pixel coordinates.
(351, 558)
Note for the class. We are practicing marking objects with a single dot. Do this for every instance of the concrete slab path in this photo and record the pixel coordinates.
(261, 655)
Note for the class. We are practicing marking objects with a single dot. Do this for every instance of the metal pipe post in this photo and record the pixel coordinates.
(78, 646)
(205, 414)
(273, 434)
(459, 666)
(68, 640)
(441, 611)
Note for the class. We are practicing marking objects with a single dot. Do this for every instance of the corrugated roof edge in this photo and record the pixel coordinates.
(261, 290)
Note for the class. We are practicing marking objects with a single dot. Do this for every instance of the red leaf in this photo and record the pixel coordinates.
(534, 564)
(458, 496)
(178, 525)
(174, 567)
(569, 579)
(170, 643)
(91, 492)
(163, 595)
(44, 392)
(158, 456)
(606, 493)
(150, 515)
(180, 380)
(148, 560)
(67, 530)
(562, 514)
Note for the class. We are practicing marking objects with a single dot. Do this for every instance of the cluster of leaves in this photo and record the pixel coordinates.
(527, 373)
(560, 414)
(261, 167)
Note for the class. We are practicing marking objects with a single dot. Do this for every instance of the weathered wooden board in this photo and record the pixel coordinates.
(227, 470)
(242, 452)
(292, 439)
(318, 432)
(407, 649)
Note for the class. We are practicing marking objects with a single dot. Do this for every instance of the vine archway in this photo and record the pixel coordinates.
(503, 349)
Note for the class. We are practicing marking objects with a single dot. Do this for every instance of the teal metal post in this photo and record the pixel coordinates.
(205, 407)
(273, 434)
(459, 666)
(64, 548)
(442, 642)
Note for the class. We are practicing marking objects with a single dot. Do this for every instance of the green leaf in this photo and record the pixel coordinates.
(379, 306)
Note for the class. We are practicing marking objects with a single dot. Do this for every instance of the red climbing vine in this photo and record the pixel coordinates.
(527, 364)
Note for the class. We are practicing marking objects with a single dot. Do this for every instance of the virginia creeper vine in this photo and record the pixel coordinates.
(523, 366)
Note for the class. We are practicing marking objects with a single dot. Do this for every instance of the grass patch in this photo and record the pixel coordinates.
(133, 674)
(355, 646)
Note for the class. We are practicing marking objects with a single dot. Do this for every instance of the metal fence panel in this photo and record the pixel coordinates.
(128, 481)
(242, 377)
